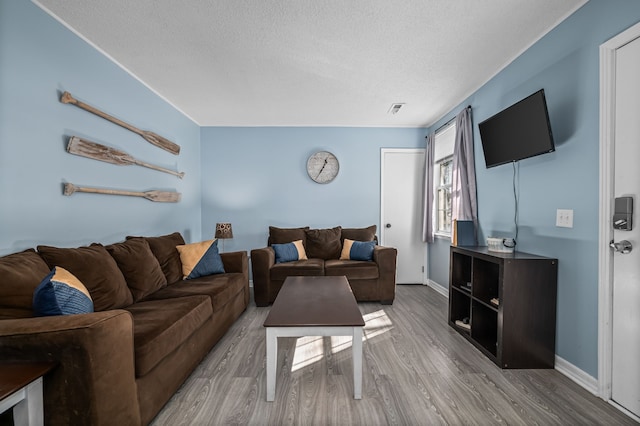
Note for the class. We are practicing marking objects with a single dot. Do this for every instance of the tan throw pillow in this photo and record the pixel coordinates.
(139, 266)
(323, 243)
(96, 269)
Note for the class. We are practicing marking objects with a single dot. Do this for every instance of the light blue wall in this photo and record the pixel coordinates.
(256, 177)
(39, 59)
(566, 64)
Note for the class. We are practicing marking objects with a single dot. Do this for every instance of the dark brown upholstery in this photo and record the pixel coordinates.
(96, 269)
(21, 273)
(323, 243)
(164, 249)
(119, 366)
(286, 235)
(370, 281)
(140, 268)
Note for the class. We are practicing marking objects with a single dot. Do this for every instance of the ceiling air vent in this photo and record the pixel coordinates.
(395, 108)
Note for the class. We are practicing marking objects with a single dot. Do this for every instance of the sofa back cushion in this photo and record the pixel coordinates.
(359, 234)
(323, 243)
(96, 269)
(287, 235)
(21, 273)
(164, 249)
(139, 266)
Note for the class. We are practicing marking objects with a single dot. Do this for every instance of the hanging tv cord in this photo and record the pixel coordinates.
(516, 177)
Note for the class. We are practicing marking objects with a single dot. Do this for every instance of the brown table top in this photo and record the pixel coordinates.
(315, 301)
(15, 376)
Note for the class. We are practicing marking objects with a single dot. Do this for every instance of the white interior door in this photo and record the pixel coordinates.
(401, 211)
(625, 377)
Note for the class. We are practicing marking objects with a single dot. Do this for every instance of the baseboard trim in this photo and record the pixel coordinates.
(437, 287)
(580, 377)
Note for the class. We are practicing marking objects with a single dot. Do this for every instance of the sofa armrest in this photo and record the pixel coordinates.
(236, 261)
(261, 262)
(385, 258)
(94, 381)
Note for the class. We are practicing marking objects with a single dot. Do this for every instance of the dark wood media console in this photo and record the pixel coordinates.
(509, 300)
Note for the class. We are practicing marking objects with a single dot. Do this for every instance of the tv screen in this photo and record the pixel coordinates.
(517, 132)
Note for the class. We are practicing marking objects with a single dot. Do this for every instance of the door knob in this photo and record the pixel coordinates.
(388, 225)
(623, 246)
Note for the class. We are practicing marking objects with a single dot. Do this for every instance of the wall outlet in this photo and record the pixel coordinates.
(564, 218)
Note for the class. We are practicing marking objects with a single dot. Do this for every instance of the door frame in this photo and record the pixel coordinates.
(605, 255)
(383, 151)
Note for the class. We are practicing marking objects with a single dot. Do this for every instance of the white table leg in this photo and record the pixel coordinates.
(28, 412)
(356, 347)
(272, 362)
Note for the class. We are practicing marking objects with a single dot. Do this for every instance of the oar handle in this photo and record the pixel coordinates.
(158, 168)
(68, 99)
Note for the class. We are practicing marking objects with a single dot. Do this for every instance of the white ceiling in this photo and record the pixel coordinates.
(312, 62)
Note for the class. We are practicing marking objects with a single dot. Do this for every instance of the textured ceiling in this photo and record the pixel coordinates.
(312, 62)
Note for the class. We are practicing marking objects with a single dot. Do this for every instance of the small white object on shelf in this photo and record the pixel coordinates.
(497, 245)
(461, 324)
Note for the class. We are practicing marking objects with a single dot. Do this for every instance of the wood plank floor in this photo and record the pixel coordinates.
(416, 371)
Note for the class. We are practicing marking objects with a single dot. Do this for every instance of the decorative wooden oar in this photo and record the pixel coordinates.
(151, 137)
(107, 154)
(159, 196)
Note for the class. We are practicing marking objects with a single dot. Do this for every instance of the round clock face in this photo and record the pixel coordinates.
(322, 167)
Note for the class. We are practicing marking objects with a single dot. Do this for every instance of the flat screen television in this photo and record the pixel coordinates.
(517, 132)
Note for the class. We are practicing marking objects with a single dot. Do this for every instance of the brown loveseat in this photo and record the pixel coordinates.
(370, 280)
(120, 364)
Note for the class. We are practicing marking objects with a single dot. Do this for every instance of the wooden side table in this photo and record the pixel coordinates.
(21, 389)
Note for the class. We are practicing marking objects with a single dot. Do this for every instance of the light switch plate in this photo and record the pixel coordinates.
(564, 218)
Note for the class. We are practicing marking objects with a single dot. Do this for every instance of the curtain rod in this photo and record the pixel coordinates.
(449, 122)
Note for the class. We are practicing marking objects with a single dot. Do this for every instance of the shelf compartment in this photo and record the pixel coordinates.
(459, 307)
(461, 274)
(486, 280)
(484, 327)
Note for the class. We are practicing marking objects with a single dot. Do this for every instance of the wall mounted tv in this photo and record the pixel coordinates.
(517, 132)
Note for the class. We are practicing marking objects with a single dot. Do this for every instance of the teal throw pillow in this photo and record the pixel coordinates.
(357, 250)
(200, 259)
(289, 252)
(61, 293)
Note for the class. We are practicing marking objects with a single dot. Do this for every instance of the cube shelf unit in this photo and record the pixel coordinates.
(510, 301)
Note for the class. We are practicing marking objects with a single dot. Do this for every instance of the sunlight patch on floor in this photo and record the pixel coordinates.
(310, 349)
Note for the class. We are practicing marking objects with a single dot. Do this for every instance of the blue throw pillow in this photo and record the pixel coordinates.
(357, 250)
(289, 252)
(61, 293)
(200, 259)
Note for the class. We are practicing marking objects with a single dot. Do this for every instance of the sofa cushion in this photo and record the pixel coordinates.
(200, 259)
(309, 267)
(60, 293)
(96, 269)
(220, 289)
(323, 243)
(140, 268)
(161, 326)
(359, 234)
(21, 273)
(286, 235)
(357, 250)
(289, 252)
(352, 269)
(164, 249)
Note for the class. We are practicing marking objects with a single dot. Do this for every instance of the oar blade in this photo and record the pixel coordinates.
(99, 152)
(163, 196)
(161, 142)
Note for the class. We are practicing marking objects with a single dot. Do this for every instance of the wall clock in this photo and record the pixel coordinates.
(322, 167)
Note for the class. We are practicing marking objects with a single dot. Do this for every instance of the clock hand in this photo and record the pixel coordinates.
(323, 166)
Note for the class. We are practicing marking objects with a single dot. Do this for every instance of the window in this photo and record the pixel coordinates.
(443, 174)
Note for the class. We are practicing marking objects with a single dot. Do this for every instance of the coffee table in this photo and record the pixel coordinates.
(314, 306)
(21, 390)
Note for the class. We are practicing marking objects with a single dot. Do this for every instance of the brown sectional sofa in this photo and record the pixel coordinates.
(370, 280)
(120, 364)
